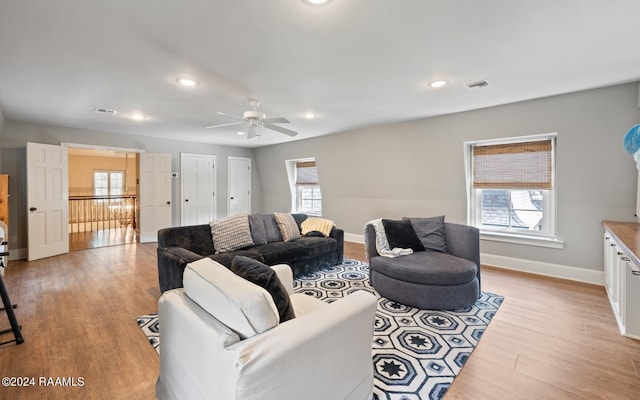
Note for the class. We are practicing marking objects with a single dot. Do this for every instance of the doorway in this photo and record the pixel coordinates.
(102, 198)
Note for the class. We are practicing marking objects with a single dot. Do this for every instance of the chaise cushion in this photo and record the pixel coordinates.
(317, 245)
(244, 307)
(265, 277)
(426, 267)
(280, 252)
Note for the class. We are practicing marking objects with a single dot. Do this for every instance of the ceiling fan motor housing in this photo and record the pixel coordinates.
(253, 115)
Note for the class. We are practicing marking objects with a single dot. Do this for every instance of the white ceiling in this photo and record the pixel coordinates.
(353, 62)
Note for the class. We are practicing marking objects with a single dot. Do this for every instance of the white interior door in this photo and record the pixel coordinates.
(198, 188)
(47, 200)
(155, 194)
(239, 185)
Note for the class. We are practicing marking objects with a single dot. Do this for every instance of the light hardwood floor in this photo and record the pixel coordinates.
(551, 339)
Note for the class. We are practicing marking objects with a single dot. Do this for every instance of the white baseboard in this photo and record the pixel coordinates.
(17, 254)
(352, 237)
(543, 268)
(523, 265)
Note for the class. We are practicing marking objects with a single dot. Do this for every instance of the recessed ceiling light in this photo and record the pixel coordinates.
(316, 2)
(188, 82)
(138, 117)
(310, 115)
(438, 83)
(240, 133)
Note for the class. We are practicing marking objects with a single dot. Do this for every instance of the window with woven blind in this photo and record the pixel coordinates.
(306, 196)
(511, 188)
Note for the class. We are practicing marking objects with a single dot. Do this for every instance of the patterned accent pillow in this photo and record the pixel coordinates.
(231, 233)
(321, 225)
(288, 227)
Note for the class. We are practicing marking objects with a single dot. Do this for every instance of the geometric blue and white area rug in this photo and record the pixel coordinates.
(416, 353)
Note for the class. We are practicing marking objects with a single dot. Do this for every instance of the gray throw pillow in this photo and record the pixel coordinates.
(264, 276)
(430, 231)
(258, 229)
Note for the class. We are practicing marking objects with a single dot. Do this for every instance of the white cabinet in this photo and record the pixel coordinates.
(622, 282)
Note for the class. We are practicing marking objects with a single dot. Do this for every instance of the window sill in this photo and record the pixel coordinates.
(528, 240)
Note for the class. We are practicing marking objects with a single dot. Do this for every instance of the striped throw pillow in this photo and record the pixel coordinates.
(288, 227)
(231, 233)
(321, 225)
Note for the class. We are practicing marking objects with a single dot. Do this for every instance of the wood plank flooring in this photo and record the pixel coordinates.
(551, 339)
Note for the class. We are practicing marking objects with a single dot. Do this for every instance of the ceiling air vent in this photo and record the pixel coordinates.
(101, 110)
(478, 84)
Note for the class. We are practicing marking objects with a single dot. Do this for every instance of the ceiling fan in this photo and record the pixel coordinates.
(256, 119)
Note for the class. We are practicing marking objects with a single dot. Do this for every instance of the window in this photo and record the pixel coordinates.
(108, 183)
(306, 196)
(511, 189)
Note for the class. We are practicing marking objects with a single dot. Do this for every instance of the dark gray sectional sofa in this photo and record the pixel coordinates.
(178, 246)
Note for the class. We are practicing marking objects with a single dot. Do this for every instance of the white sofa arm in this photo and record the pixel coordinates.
(331, 344)
(285, 274)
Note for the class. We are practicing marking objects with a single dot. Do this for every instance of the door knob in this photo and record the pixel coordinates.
(33, 209)
(232, 198)
(168, 203)
(186, 200)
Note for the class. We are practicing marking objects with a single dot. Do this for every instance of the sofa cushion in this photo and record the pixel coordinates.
(430, 231)
(288, 226)
(271, 227)
(427, 268)
(401, 234)
(244, 307)
(231, 233)
(316, 224)
(317, 245)
(280, 252)
(265, 277)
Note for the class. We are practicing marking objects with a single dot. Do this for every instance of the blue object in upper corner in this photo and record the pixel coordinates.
(632, 139)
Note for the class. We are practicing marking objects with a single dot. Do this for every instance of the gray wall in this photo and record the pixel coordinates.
(15, 135)
(417, 168)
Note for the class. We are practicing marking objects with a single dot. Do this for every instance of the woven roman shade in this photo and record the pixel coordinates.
(306, 173)
(524, 165)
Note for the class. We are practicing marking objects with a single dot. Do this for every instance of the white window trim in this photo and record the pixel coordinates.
(547, 239)
(290, 166)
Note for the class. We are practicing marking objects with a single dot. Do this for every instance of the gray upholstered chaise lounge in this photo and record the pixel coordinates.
(430, 279)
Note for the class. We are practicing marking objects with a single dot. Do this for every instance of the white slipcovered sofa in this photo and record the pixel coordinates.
(220, 338)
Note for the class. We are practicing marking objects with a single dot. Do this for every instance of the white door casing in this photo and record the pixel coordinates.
(198, 183)
(47, 200)
(239, 200)
(154, 194)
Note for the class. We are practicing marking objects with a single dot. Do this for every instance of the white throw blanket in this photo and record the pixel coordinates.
(382, 244)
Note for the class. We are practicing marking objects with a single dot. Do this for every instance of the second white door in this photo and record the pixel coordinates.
(198, 188)
(239, 185)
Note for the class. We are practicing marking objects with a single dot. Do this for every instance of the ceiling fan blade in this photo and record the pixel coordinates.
(276, 120)
(280, 129)
(221, 125)
(230, 115)
(253, 131)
